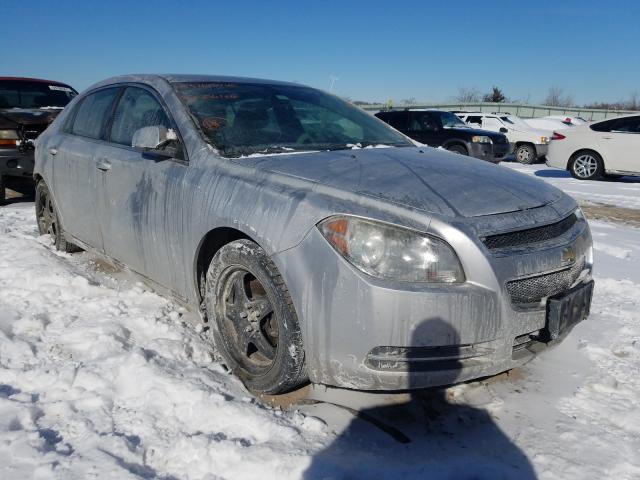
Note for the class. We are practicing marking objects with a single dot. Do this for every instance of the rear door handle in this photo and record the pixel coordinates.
(103, 165)
(607, 138)
(53, 151)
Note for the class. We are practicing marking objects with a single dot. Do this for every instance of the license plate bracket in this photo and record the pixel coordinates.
(566, 310)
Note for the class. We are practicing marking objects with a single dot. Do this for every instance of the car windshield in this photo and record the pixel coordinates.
(251, 118)
(450, 120)
(26, 94)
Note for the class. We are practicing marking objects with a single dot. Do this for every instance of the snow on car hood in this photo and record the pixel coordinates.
(434, 181)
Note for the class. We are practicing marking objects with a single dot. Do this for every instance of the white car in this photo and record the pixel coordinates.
(555, 122)
(527, 143)
(609, 147)
(547, 123)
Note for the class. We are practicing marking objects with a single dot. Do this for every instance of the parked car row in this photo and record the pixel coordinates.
(318, 243)
(487, 136)
(437, 128)
(27, 107)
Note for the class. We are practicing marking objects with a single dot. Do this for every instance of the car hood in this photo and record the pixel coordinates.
(433, 181)
(30, 116)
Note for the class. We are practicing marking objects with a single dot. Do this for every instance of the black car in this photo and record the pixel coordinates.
(27, 107)
(437, 128)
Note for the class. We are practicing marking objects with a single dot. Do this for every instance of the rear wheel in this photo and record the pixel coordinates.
(253, 323)
(586, 165)
(525, 153)
(458, 149)
(49, 221)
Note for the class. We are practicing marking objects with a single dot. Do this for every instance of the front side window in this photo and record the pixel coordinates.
(92, 113)
(137, 108)
(474, 119)
(245, 118)
(29, 94)
(424, 122)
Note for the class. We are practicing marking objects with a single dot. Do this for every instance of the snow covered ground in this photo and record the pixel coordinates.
(101, 378)
(623, 192)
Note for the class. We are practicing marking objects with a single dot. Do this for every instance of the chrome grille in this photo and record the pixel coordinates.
(532, 290)
(530, 235)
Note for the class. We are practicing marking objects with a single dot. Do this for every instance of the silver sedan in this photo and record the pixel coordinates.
(317, 243)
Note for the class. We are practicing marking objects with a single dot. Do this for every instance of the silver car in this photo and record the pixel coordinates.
(317, 243)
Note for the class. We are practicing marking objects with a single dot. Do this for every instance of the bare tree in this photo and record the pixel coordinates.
(557, 98)
(633, 103)
(467, 95)
(409, 101)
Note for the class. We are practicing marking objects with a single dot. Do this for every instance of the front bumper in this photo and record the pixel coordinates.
(365, 333)
(16, 163)
(490, 152)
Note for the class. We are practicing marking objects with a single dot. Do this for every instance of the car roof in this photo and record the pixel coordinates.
(188, 78)
(38, 80)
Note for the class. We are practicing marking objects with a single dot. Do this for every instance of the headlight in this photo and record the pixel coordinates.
(387, 251)
(8, 135)
(480, 139)
(579, 214)
(544, 140)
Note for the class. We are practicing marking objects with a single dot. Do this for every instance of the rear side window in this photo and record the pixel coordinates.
(603, 126)
(92, 112)
(474, 119)
(137, 108)
(627, 125)
(398, 120)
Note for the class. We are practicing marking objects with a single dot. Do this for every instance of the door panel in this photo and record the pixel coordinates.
(141, 207)
(621, 145)
(76, 187)
(140, 213)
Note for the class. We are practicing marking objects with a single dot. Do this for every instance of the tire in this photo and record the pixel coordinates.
(2, 190)
(586, 165)
(49, 220)
(526, 154)
(459, 149)
(253, 323)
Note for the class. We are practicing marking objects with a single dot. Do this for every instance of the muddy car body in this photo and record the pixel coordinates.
(480, 247)
(27, 107)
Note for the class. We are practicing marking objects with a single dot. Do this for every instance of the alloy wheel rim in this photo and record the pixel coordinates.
(585, 166)
(248, 321)
(524, 154)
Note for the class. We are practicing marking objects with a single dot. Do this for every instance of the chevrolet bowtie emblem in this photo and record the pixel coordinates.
(568, 256)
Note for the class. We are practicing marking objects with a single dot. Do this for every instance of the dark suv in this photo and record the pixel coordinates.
(27, 107)
(437, 128)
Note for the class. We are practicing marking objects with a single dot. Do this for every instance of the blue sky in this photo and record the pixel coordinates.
(377, 49)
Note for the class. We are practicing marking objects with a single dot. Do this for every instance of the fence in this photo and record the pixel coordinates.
(521, 110)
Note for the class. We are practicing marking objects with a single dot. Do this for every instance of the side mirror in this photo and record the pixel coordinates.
(503, 130)
(153, 138)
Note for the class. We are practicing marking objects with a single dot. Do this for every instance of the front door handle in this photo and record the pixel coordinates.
(607, 138)
(53, 151)
(103, 165)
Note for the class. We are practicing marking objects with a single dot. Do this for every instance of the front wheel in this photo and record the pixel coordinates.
(526, 154)
(586, 166)
(459, 149)
(253, 323)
